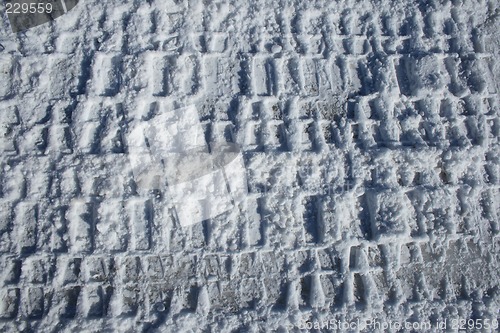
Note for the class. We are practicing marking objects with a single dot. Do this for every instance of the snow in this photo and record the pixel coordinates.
(251, 166)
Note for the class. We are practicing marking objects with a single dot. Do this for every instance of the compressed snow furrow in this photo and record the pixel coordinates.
(369, 136)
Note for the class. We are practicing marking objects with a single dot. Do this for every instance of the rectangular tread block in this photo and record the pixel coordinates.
(6, 69)
(332, 289)
(162, 69)
(9, 303)
(62, 75)
(129, 300)
(313, 223)
(111, 226)
(215, 266)
(159, 297)
(10, 119)
(36, 269)
(220, 75)
(106, 78)
(291, 79)
(60, 139)
(70, 301)
(140, 214)
(130, 269)
(264, 73)
(189, 68)
(5, 216)
(389, 214)
(255, 226)
(328, 259)
(276, 293)
(330, 225)
(33, 302)
(89, 140)
(212, 68)
(11, 271)
(251, 294)
(99, 268)
(309, 71)
(81, 217)
(217, 42)
(155, 268)
(69, 270)
(26, 216)
(96, 300)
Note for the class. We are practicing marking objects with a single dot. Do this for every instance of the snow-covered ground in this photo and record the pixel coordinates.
(369, 133)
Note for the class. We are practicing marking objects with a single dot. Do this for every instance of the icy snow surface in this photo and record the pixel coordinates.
(369, 132)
